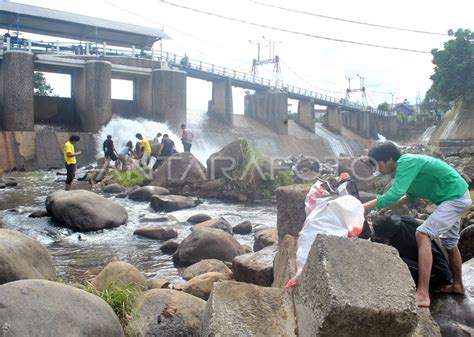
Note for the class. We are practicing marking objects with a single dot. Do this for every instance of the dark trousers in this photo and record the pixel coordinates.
(187, 147)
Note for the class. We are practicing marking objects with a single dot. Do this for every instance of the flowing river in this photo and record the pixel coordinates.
(73, 257)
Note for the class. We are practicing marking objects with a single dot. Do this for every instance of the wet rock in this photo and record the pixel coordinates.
(234, 196)
(158, 284)
(454, 313)
(208, 244)
(206, 266)
(218, 223)
(82, 210)
(197, 218)
(264, 238)
(114, 189)
(41, 213)
(171, 203)
(248, 310)
(169, 247)
(212, 188)
(9, 181)
(119, 274)
(146, 192)
(45, 308)
(243, 228)
(201, 285)
(256, 268)
(327, 303)
(152, 217)
(466, 243)
(3, 185)
(166, 312)
(22, 257)
(157, 232)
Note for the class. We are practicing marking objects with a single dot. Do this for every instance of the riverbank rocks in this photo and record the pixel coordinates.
(119, 273)
(212, 188)
(84, 211)
(146, 192)
(197, 218)
(207, 243)
(22, 257)
(334, 296)
(290, 209)
(169, 247)
(241, 309)
(466, 243)
(179, 170)
(166, 312)
(243, 228)
(9, 181)
(157, 232)
(45, 308)
(206, 266)
(256, 268)
(171, 203)
(114, 189)
(218, 223)
(264, 238)
(201, 285)
(454, 313)
(222, 163)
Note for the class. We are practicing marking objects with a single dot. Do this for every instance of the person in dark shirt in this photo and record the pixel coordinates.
(109, 152)
(400, 232)
(168, 148)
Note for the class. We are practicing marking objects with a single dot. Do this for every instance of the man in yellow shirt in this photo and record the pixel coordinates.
(70, 160)
(145, 148)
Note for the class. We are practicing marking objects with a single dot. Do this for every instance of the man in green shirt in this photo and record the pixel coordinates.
(418, 176)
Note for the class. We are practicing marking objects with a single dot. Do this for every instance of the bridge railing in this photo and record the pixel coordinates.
(174, 60)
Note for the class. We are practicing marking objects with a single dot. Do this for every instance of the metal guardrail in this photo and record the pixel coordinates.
(182, 62)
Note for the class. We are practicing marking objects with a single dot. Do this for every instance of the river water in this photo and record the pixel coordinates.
(73, 257)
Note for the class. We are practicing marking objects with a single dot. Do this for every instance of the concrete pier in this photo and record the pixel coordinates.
(221, 104)
(169, 97)
(306, 114)
(18, 92)
(334, 119)
(270, 108)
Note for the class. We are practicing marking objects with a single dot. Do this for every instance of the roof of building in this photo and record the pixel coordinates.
(51, 22)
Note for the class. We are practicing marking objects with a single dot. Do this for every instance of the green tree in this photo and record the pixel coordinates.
(454, 68)
(41, 86)
(383, 107)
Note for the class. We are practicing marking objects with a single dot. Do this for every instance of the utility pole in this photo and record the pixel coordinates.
(360, 89)
(272, 58)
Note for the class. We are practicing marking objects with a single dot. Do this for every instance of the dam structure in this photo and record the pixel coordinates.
(123, 51)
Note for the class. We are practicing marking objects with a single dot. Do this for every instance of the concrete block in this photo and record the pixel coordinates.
(290, 209)
(353, 287)
(256, 268)
(284, 264)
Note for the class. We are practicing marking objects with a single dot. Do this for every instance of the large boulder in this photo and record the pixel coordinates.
(166, 312)
(218, 223)
(146, 192)
(22, 257)
(45, 308)
(9, 181)
(256, 268)
(264, 238)
(353, 287)
(222, 163)
(114, 189)
(245, 227)
(179, 170)
(201, 285)
(290, 209)
(454, 313)
(466, 243)
(208, 244)
(197, 218)
(206, 266)
(241, 309)
(119, 274)
(171, 203)
(84, 211)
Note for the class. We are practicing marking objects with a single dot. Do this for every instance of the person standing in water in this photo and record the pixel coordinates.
(70, 160)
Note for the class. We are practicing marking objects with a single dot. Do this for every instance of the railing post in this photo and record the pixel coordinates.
(133, 51)
(57, 47)
(104, 46)
(87, 48)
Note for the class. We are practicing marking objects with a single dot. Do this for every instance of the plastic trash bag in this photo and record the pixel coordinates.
(330, 211)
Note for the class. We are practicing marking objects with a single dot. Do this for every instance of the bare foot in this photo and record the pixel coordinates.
(422, 300)
(452, 289)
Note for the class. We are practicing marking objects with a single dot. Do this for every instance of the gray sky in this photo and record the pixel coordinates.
(307, 62)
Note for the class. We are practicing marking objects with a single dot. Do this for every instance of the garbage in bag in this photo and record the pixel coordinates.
(331, 210)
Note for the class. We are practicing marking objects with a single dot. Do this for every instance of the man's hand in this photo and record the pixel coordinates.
(78, 153)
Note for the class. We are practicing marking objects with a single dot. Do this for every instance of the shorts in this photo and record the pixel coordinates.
(70, 173)
(446, 221)
(111, 155)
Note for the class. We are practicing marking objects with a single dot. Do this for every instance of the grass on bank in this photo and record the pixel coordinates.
(119, 297)
(130, 178)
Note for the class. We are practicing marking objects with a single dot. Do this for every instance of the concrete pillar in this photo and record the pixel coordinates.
(169, 97)
(18, 93)
(221, 104)
(92, 94)
(306, 114)
(334, 119)
(143, 96)
(277, 111)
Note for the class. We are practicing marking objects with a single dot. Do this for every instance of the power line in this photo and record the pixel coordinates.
(294, 32)
(350, 21)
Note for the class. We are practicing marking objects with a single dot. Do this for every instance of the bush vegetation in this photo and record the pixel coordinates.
(130, 178)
